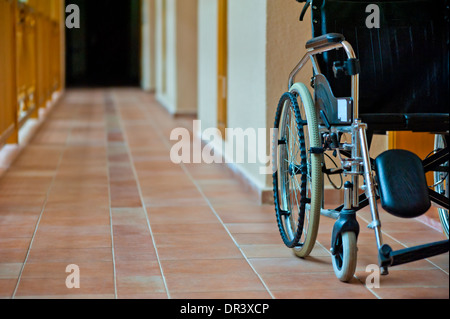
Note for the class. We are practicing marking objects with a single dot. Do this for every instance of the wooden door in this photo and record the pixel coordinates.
(222, 47)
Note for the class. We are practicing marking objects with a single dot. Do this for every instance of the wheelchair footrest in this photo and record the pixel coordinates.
(389, 257)
(402, 184)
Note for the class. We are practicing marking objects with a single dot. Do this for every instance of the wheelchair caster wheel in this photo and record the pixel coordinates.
(345, 256)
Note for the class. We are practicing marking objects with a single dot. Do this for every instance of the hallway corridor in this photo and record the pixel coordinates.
(95, 188)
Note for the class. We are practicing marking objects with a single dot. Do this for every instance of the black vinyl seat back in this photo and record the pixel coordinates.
(404, 62)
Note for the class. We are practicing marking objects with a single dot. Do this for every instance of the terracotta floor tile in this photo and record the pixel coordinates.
(144, 252)
(145, 296)
(70, 255)
(413, 238)
(278, 250)
(136, 241)
(229, 295)
(139, 285)
(80, 220)
(7, 287)
(178, 198)
(252, 228)
(10, 270)
(131, 268)
(250, 239)
(15, 231)
(46, 287)
(181, 215)
(215, 266)
(121, 173)
(291, 264)
(57, 270)
(246, 213)
(130, 230)
(12, 255)
(128, 216)
(18, 202)
(184, 283)
(14, 243)
(441, 261)
(197, 250)
(166, 230)
(39, 158)
(24, 185)
(347, 293)
(58, 237)
(413, 293)
(70, 297)
(308, 281)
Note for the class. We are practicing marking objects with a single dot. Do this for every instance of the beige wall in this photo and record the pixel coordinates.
(177, 89)
(165, 81)
(148, 33)
(207, 62)
(247, 72)
(186, 56)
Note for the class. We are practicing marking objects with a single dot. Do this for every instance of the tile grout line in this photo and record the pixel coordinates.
(44, 205)
(109, 197)
(215, 213)
(130, 157)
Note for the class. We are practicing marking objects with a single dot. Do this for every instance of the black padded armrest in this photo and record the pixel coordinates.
(325, 39)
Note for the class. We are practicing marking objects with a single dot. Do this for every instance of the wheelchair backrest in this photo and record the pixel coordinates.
(404, 62)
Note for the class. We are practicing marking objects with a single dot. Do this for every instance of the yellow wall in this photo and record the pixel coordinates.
(31, 34)
(8, 125)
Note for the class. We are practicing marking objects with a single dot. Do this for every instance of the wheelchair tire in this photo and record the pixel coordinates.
(345, 258)
(298, 178)
(441, 185)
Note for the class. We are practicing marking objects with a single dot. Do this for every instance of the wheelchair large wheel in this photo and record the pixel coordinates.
(345, 257)
(298, 177)
(441, 184)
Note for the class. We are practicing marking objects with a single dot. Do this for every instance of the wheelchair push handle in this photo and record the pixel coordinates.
(305, 8)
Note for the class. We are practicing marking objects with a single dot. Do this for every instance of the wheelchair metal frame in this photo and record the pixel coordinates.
(358, 163)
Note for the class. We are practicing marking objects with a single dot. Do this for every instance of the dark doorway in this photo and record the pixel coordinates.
(105, 50)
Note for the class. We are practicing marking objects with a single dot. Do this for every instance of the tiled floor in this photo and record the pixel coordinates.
(96, 188)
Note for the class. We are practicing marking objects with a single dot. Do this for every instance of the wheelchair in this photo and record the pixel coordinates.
(366, 81)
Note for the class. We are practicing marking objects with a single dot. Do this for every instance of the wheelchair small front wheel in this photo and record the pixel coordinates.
(345, 256)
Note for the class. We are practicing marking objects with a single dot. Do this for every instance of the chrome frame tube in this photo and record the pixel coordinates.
(355, 80)
(356, 167)
(308, 56)
(370, 185)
